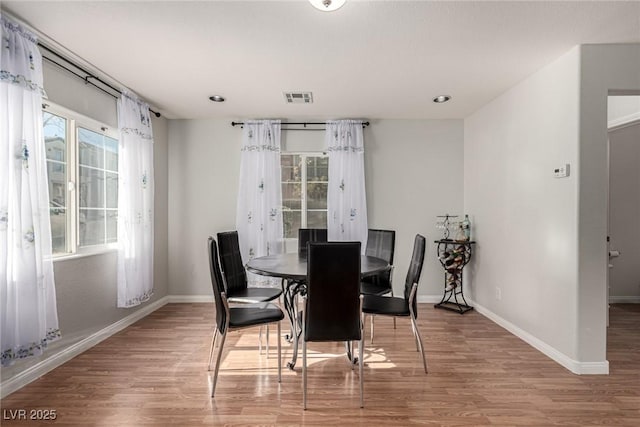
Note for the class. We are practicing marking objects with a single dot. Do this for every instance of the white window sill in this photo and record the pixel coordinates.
(86, 252)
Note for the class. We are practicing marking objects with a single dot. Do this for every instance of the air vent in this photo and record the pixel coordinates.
(298, 97)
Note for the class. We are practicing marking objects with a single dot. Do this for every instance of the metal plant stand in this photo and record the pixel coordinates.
(453, 256)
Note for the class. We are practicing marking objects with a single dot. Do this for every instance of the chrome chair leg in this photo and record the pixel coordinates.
(351, 354)
(279, 354)
(361, 362)
(394, 317)
(304, 368)
(267, 336)
(260, 340)
(213, 344)
(419, 339)
(215, 375)
(415, 336)
(372, 316)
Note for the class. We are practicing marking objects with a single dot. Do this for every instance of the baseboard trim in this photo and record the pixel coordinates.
(624, 300)
(430, 298)
(36, 371)
(579, 368)
(190, 298)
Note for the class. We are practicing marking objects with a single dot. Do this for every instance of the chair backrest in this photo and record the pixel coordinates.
(332, 310)
(415, 269)
(231, 260)
(381, 244)
(217, 284)
(306, 235)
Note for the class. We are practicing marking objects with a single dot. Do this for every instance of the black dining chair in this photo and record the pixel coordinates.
(407, 305)
(306, 235)
(380, 244)
(332, 304)
(235, 275)
(237, 317)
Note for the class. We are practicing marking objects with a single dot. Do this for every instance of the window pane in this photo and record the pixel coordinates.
(318, 169)
(91, 188)
(90, 148)
(112, 226)
(317, 219)
(112, 190)
(292, 195)
(317, 195)
(58, 218)
(111, 154)
(57, 174)
(55, 135)
(91, 227)
(292, 221)
(291, 168)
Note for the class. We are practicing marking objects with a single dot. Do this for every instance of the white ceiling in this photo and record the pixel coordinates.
(369, 59)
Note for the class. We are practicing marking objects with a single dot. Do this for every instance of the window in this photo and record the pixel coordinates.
(305, 178)
(82, 164)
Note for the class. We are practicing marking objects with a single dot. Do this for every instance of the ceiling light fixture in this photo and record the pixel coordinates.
(441, 98)
(216, 98)
(327, 5)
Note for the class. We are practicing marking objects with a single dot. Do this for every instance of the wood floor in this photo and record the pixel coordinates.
(154, 373)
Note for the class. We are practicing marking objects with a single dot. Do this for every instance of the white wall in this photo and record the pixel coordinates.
(622, 109)
(525, 219)
(624, 213)
(413, 171)
(204, 159)
(543, 240)
(67, 90)
(605, 69)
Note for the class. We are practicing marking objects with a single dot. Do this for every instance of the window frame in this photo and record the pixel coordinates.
(303, 184)
(75, 121)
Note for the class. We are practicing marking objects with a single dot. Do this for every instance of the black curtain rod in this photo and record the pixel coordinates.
(364, 124)
(87, 76)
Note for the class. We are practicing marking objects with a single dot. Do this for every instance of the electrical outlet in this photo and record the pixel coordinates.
(498, 293)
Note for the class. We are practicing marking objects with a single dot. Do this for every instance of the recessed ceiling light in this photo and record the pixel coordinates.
(327, 5)
(217, 98)
(441, 98)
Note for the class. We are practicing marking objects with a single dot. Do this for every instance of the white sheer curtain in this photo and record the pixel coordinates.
(259, 213)
(135, 201)
(346, 197)
(28, 314)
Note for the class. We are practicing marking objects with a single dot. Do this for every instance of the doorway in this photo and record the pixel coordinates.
(623, 278)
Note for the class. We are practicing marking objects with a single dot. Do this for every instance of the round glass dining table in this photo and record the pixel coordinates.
(292, 269)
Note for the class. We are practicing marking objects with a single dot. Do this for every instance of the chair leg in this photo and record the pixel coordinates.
(260, 340)
(361, 362)
(351, 353)
(394, 317)
(415, 336)
(304, 371)
(213, 344)
(372, 316)
(215, 374)
(267, 326)
(279, 355)
(419, 339)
